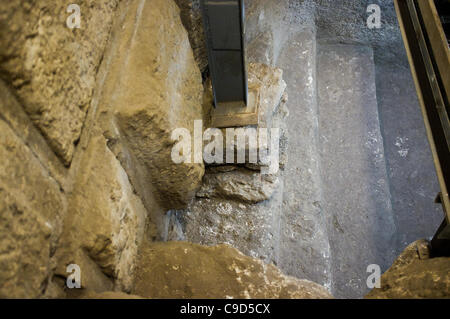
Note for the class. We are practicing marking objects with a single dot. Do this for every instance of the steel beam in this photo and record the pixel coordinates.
(429, 58)
(224, 30)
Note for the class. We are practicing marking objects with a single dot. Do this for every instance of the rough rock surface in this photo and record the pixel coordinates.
(93, 212)
(346, 22)
(241, 184)
(271, 88)
(265, 32)
(105, 223)
(31, 211)
(260, 49)
(52, 68)
(415, 275)
(32, 205)
(239, 204)
(252, 228)
(185, 270)
(191, 17)
(153, 87)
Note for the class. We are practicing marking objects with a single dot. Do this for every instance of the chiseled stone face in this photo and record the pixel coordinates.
(154, 87)
(31, 212)
(105, 222)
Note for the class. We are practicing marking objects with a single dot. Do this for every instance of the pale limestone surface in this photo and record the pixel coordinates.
(153, 87)
(32, 210)
(105, 219)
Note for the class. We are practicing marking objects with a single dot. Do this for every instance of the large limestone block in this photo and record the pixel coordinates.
(415, 275)
(105, 224)
(31, 212)
(52, 68)
(155, 86)
(185, 270)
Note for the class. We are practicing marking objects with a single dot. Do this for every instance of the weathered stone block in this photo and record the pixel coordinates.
(31, 212)
(106, 221)
(304, 249)
(52, 68)
(154, 87)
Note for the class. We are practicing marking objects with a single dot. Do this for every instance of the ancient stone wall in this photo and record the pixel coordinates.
(87, 178)
(52, 68)
(85, 122)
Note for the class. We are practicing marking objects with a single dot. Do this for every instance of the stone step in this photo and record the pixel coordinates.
(357, 204)
(304, 250)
